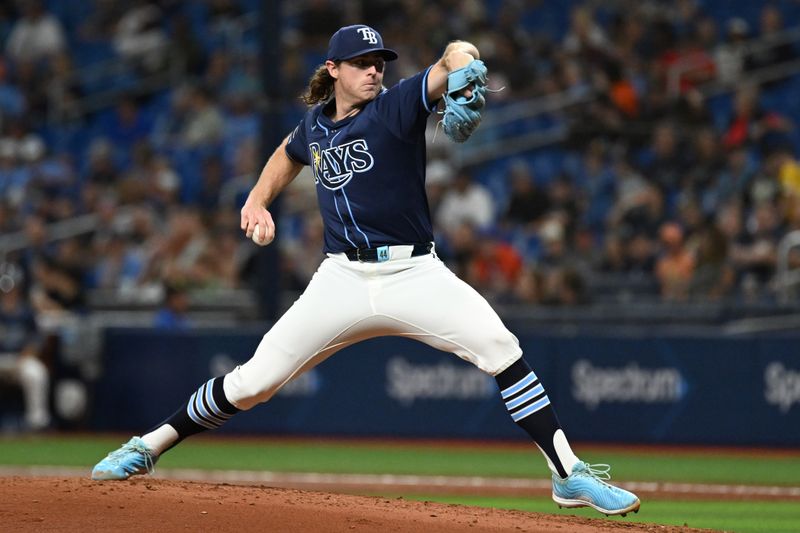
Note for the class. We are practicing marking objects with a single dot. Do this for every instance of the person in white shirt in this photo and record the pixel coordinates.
(36, 35)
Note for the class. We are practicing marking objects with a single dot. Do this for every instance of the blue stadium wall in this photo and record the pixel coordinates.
(639, 389)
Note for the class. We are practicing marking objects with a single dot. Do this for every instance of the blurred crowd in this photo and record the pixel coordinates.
(129, 138)
(652, 184)
(677, 177)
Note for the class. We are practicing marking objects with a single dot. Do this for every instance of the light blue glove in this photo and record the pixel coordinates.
(462, 115)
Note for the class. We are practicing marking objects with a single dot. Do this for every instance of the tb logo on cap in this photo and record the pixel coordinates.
(368, 35)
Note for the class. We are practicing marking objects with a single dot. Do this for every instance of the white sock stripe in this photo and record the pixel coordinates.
(202, 409)
(527, 411)
(518, 386)
(194, 416)
(212, 405)
(538, 390)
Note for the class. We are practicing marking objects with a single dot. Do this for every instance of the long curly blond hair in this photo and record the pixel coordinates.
(320, 87)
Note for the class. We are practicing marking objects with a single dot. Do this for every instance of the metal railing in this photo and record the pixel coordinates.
(56, 231)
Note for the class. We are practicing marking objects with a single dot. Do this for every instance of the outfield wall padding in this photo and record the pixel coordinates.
(639, 389)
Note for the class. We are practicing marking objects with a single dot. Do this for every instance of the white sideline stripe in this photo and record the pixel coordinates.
(392, 480)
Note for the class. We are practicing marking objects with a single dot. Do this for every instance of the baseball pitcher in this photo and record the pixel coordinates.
(365, 145)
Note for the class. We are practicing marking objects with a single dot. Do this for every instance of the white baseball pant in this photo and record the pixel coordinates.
(348, 301)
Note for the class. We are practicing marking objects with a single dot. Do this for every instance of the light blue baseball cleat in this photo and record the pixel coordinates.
(585, 488)
(131, 459)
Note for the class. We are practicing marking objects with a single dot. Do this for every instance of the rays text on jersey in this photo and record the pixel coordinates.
(333, 167)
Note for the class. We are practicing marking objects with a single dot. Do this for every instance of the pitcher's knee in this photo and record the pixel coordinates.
(497, 352)
(245, 390)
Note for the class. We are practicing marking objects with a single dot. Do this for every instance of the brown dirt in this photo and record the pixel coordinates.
(76, 504)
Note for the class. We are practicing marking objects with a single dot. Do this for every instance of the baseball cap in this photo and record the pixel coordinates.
(358, 39)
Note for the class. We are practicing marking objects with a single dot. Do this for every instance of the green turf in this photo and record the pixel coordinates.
(735, 516)
(410, 459)
(473, 460)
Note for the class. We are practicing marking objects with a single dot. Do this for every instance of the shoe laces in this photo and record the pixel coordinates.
(600, 471)
(129, 447)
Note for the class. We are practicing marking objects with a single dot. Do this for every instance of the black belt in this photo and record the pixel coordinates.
(381, 253)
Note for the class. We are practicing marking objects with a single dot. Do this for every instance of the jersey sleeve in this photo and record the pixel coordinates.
(404, 108)
(296, 146)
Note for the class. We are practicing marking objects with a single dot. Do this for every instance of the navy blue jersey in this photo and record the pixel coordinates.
(370, 168)
(17, 329)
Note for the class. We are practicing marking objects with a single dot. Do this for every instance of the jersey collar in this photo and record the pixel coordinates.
(323, 119)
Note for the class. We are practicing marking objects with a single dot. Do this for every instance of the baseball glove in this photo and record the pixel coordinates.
(462, 115)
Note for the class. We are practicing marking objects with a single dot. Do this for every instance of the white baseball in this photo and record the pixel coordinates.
(257, 235)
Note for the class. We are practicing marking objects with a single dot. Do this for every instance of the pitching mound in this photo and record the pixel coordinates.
(73, 504)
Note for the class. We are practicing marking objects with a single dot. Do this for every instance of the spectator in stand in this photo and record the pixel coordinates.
(495, 267)
(205, 124)
(730, 183)
(772, 48)
(596, 184)
(51, 177)
(169, 126)
(163, 184)
(176, 256)
(642, 213)
(213, 177)
(218, 72)
(788, 174)
(438, 177)
(37, 35)
(31, 79)
(675, 266)
(527, 203)
(690, 217)
(585, 36)
(730, 56)
(705, 161)
(754, 254)
(126, 126)
(185, 50)
(614, 258)
(640, 253)
(752, 126)
(466, 202)
(565, 203)
(564, 287)
(14, 177)
(690, 65)
(459, 248)
(20, 349)
(713, 276)
(691, 112)
(64, 90)
(139, 37)
(242, 121)
(101, 169)
(58, 288)
(665, 163)
(12, 100)
(528, 289)
(134, 185)
(298, 265)
(555, 253)
(117, 267)
(173, 311)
